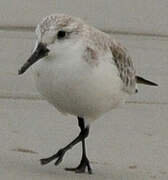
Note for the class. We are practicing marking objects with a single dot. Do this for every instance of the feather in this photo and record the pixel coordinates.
(141, 80)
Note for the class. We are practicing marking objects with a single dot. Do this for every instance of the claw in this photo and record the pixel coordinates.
(82, 167)
(58, 155)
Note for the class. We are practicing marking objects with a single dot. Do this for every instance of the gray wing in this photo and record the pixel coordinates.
(125, 67)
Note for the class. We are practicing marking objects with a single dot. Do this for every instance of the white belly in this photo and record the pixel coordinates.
(76, 88)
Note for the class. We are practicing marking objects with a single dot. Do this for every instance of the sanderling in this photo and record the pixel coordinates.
(81, 71)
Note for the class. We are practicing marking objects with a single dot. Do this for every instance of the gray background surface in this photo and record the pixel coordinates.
(126, 144)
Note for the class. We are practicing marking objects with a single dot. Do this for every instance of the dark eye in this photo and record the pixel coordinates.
(61, 34)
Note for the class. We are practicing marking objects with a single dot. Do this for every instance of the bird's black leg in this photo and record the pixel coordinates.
(59, 155)
(84, 161)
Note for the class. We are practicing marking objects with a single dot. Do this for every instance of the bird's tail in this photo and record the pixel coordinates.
(141, 80)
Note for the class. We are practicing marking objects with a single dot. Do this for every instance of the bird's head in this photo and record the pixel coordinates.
(54, 35)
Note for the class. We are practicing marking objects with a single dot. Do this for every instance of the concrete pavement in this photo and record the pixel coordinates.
(130, 143)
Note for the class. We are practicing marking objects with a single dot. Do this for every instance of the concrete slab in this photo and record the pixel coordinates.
(15, 49)
(128, 16)
(126, 144)
(150, 57)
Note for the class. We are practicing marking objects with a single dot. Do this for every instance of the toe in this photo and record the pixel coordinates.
(70, 169)
(44, 161)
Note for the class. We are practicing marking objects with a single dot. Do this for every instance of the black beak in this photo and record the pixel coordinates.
(40, 52)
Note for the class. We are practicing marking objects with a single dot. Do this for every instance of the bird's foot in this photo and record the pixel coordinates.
(82, 166)
(59, 156)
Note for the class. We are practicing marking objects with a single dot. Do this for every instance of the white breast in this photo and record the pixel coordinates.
(75, 87)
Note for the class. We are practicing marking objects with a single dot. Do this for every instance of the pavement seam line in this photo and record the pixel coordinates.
(38, 98)
(109, 31)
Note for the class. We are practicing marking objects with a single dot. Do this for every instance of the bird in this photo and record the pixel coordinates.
(81, 71)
